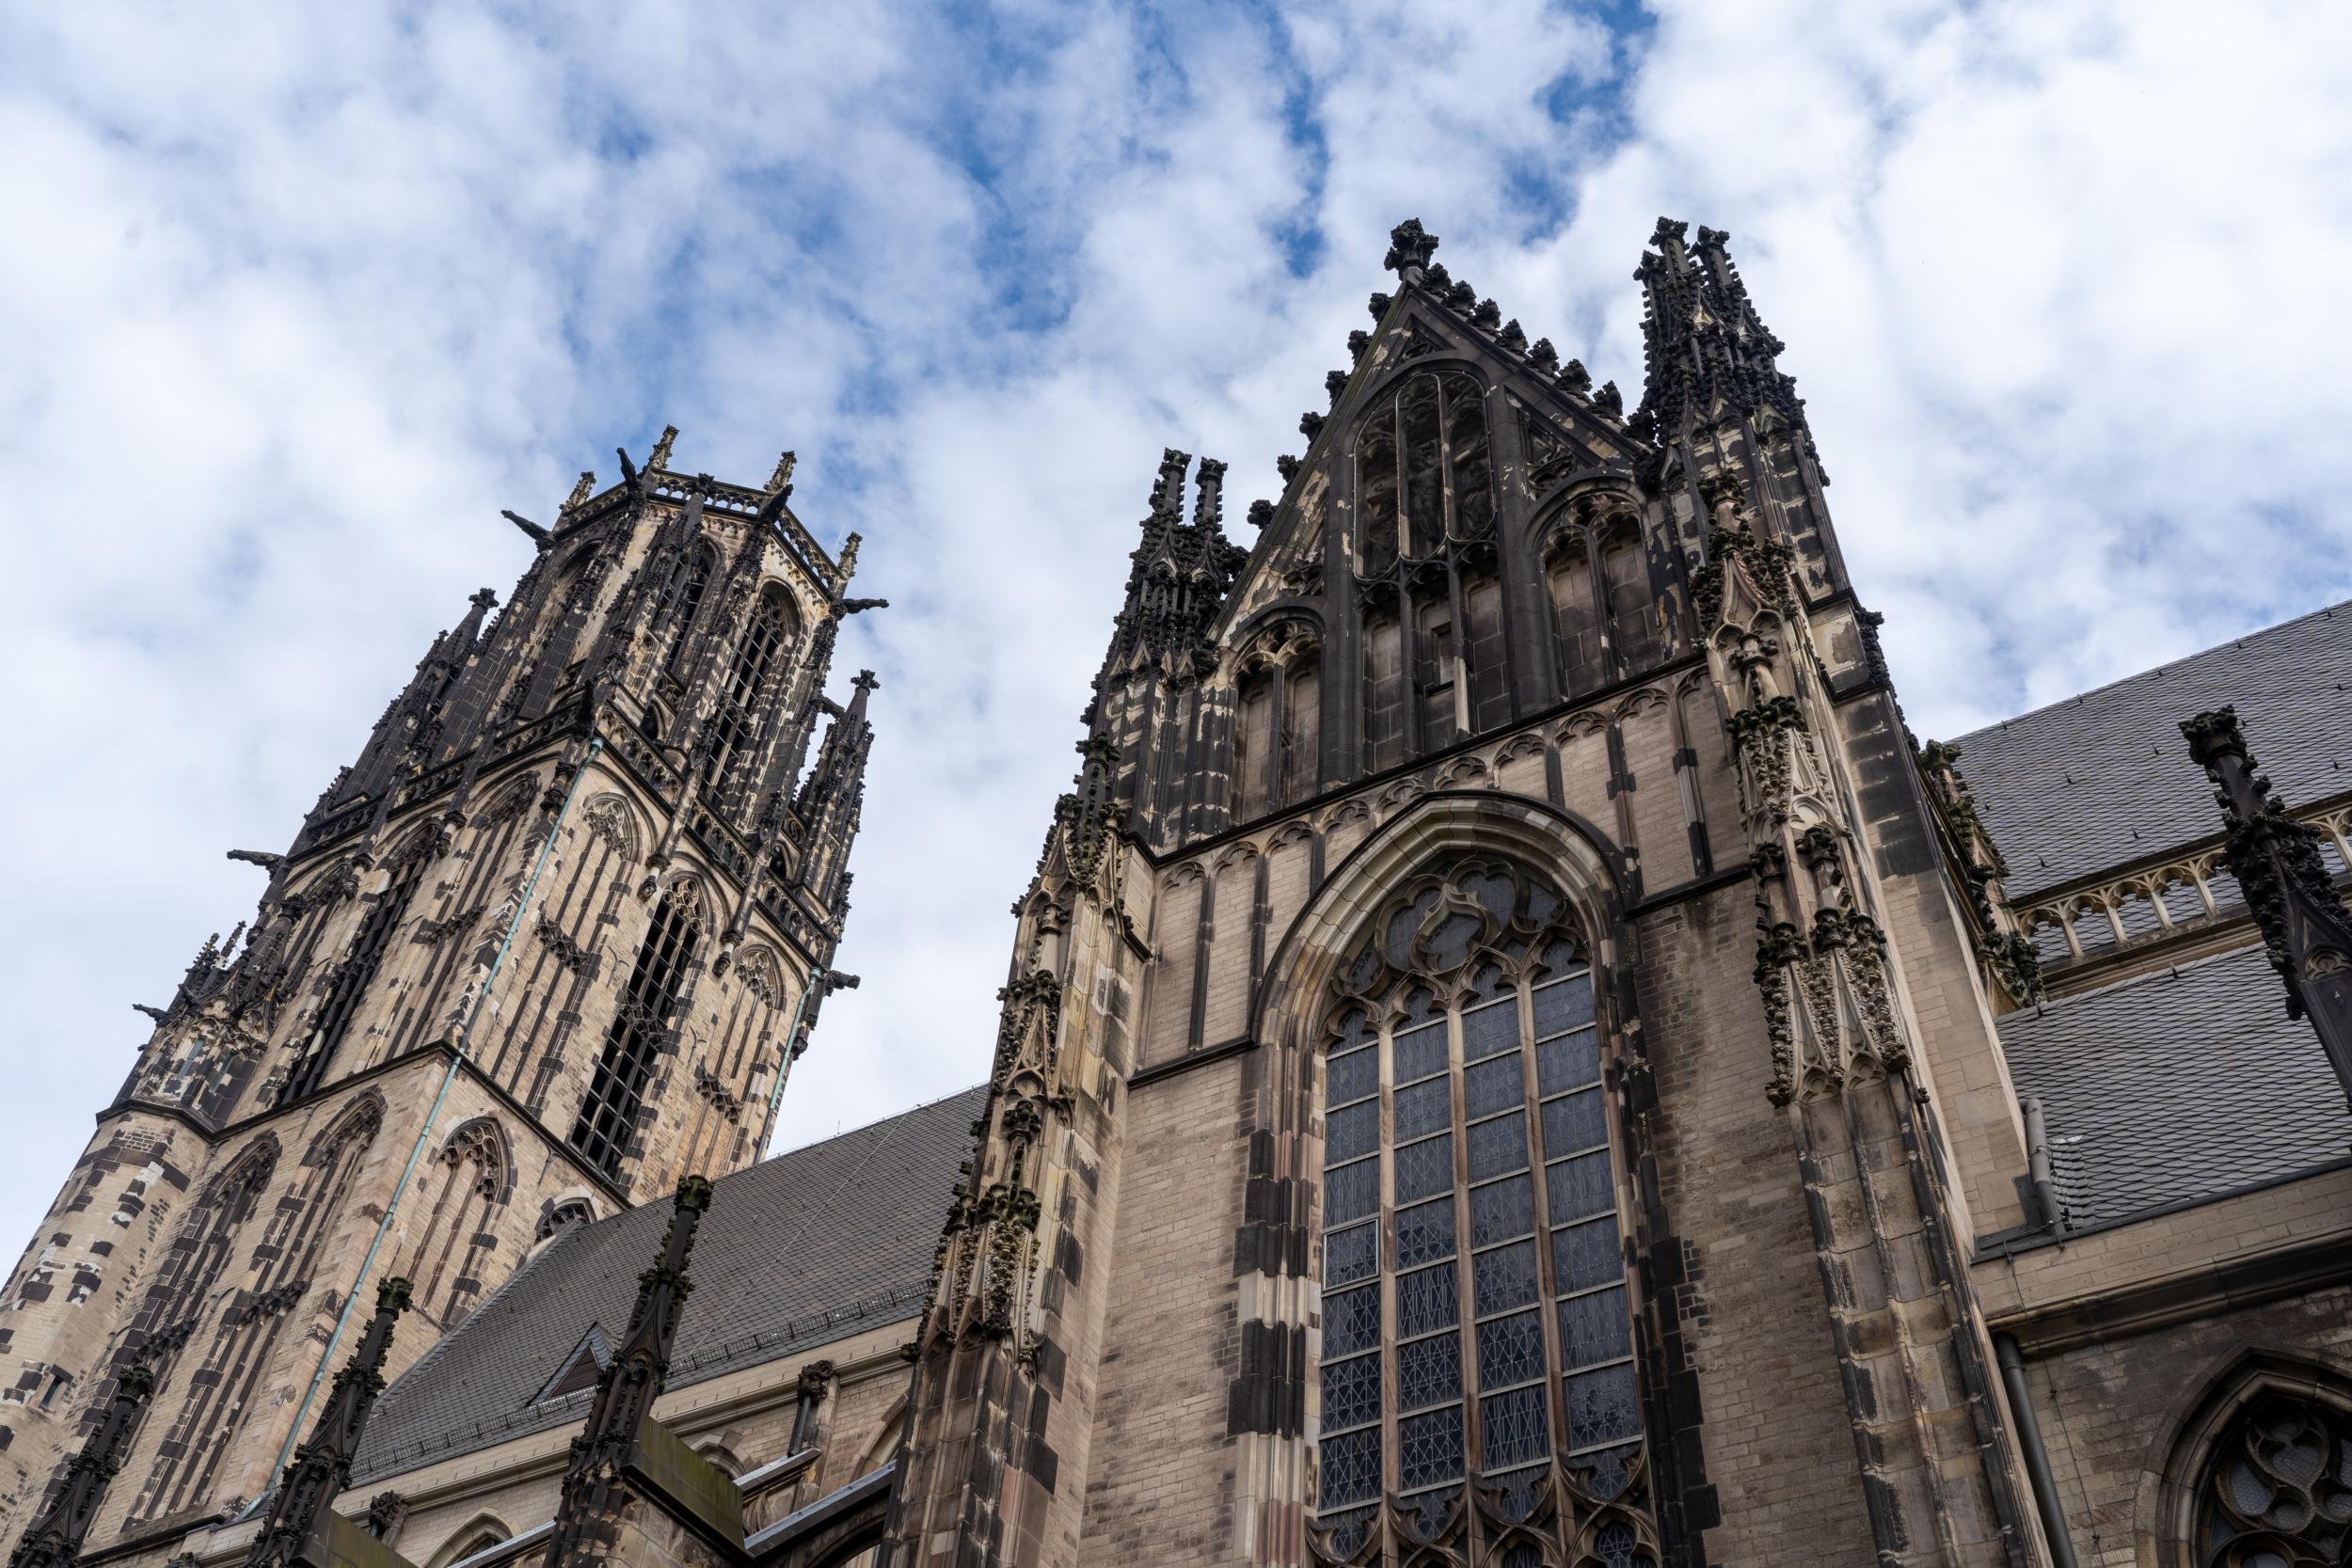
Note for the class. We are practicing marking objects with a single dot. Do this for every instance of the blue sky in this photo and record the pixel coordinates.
(297, 302)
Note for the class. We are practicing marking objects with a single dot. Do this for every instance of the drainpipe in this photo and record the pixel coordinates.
(2037, 1460)
(2038, 1158)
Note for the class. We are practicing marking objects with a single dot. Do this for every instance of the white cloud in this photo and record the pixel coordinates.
(298, 303)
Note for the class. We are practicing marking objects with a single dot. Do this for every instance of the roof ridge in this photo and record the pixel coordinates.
(2323, 611)
(854, 1131)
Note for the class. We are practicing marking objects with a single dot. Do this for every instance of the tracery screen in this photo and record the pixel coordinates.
(1474, 1308)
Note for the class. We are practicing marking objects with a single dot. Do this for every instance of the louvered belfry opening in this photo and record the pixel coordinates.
(641, 1026)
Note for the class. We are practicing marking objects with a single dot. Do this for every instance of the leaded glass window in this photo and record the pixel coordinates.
(1475, 1309)
(2277, 1488)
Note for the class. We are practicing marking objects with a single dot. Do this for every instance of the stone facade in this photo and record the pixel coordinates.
(1514, 1056)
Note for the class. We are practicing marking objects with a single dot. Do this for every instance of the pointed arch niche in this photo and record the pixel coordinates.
(1442, 1053)
(2256, 1472)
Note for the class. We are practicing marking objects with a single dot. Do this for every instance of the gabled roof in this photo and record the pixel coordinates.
(798, 1251)
(2181, 1083)
(2103, 779)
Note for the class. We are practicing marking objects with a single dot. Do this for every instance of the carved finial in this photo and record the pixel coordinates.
(1410, 246)
(849, 556)
(2213, 736)
(1167, 495)
(661, 458)
(1209, 507)
(484, 600)
(581, 491)
(782, 476)
(2275, 857)
(322, 1466)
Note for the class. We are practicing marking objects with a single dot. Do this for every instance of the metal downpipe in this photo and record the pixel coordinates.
(2045, 1497)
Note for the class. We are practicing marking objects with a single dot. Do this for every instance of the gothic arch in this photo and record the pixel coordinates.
(1301, 979)
(510, 801)
(761, 975)
(612, 818)
(478, 1534)
(2214, 1430)
(470, 1187)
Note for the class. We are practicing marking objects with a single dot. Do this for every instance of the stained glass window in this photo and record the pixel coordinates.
(1476, 1308)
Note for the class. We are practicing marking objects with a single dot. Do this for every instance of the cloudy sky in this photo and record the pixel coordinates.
(298, 299)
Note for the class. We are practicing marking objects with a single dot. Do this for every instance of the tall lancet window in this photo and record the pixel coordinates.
(358, 970)
(609, 1113)
(1423, 473)
(760, 652)
(1475, 1320)
(686, 597)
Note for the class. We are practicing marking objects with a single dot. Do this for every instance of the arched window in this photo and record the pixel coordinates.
(571, 1211)
(1633, 609)
(608, 1112)
(447, 1263)
(2277, 1489)
(686, 596)
(765, 642)
(1576, 616)
(356, 972)
(1475, 1316)
(1424, 472)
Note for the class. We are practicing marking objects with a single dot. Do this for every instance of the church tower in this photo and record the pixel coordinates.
(552, 942)
(1498, 1066)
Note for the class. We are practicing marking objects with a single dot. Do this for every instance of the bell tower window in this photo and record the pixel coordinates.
(765, 640)
(641, 1024)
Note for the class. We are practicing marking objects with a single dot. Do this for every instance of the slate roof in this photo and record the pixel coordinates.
(2065, 788)
(809, 1247)
(2175, 1084)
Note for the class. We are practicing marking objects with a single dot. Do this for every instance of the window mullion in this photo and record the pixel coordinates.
(1466, 1266)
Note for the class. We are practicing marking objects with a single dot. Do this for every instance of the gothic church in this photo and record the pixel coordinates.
(1514, 1056)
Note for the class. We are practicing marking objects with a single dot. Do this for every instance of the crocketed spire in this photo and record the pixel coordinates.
(1708, 355)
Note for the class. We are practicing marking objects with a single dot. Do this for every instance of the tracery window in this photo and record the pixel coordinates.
(764, 641)
(1607, 622)
(686, 597)
(1475, 1315)
(1423, 470)
(2277, 1489)
(641, 1026)
(355, 975)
